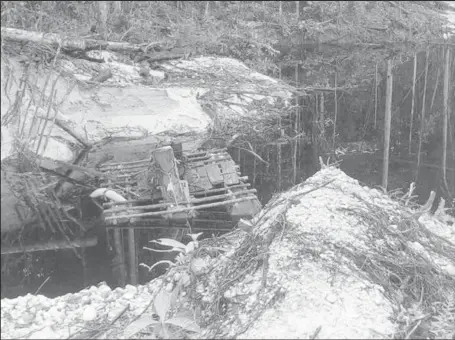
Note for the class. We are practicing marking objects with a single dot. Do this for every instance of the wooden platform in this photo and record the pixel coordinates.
(178, 189)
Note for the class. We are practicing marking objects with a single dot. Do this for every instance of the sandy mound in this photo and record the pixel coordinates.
(121, 107)
(327, 259)
(181, 98)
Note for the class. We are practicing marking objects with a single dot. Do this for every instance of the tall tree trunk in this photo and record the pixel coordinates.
(422, 116)
(412, 103)
(103, 15)
(207, 8)
(295, 144)
(322, 120)
(387, 124)
(117, 7)
(336, 112)
(314, 135)
(436, 85)
(376, 95)
(445, 118)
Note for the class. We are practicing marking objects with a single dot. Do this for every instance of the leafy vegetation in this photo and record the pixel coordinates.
(187, 265)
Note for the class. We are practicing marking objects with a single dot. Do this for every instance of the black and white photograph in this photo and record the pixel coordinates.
(227, 170)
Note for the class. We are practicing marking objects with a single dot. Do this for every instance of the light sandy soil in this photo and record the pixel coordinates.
(320, 293)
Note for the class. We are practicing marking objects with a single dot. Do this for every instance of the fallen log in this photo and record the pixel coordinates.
(50, 245)
(53, 39)
(186, 209)
(170, 204)
(87, 171)
(65, 127)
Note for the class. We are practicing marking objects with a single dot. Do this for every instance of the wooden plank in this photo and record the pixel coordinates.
(197, 179)
(125, 167)
(224, 227)
(132, 163)
(199, 193)
(119, 269)
(202, 192)
(132, 257)
(51, 245)
(87, 171)
(201, 163)
(68, 172)
(227, 166)
(229, 172)
(231, 179)
(245, 209)
(170, 204)
(158, 213)
(169, 180)
(214, 174)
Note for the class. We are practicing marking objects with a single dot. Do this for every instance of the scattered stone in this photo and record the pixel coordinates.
(89, 314)
(26, 318)
(331, 298)
(45, 333)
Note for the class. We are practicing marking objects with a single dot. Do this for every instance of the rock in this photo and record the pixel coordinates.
(56, 314)
(331, 298)
(131, 288)
(129, 295)
(45, 333)
(73, 299)
(104, 289)
(18, 333)
(119, 292)
(131, 292)
(86, 300)
(114, 312)
(89, 314)
(93, 290)
(26, 318)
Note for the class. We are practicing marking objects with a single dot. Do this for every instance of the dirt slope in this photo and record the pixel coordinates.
(326, 259)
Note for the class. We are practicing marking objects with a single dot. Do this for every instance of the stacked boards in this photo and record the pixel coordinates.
(174, 187)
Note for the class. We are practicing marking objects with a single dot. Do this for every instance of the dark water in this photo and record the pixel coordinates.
(367, 168)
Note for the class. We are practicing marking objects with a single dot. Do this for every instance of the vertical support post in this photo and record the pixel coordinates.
(254, 172)
(171, 188)
(119, 259)
(84, 266)
(411, 123)
(278, 146)
(314, 135)
(132, 257)
(445, 126)
(387, 125)
(295, 145)
(336, 112)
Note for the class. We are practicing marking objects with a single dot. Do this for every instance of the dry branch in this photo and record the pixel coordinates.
(53, 39)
